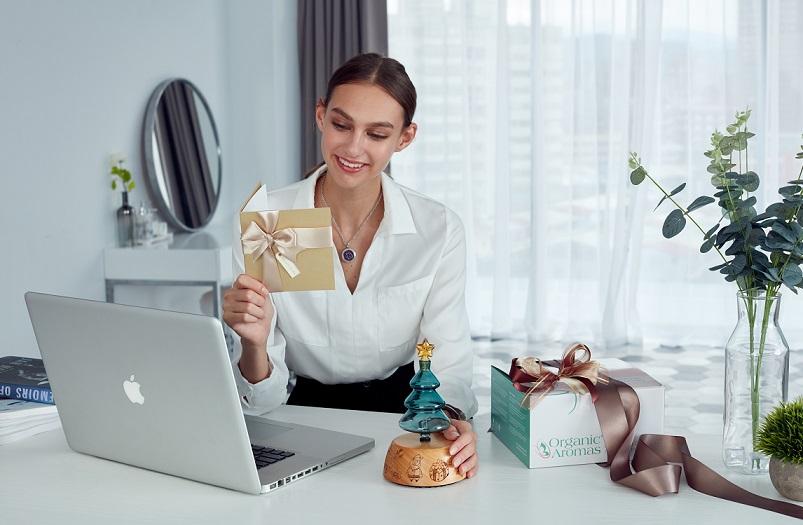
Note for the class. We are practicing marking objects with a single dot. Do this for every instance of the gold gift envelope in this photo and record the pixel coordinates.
(288, 250)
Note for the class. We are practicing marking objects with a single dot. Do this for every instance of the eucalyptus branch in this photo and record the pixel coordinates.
(683, 210)
(789, 221)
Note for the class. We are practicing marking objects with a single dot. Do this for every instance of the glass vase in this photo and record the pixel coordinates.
(125, 223)
(756, 378)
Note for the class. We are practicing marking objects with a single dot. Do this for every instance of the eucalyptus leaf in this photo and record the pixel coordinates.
(707, 245)
(756, 236)
(765, 273)
(637, 175)
(677, 190)
(699, 202)
(723, 237)
(738, 263)
(784, 231)
(797, 230)
(737, 247)
(710, 232)
(751, 181)
(792, 275)
(776, 242)
(674, 224)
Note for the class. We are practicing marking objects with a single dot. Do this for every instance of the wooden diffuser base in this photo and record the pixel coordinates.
(417, 463)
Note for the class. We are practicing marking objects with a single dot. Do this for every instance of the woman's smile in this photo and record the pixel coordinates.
(349, 166)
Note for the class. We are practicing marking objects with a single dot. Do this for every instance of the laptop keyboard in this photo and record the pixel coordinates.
(265, 456)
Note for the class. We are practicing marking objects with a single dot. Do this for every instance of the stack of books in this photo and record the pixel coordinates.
(26, 401)
(21, 419)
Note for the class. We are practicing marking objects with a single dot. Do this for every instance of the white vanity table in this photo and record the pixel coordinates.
(200, 258)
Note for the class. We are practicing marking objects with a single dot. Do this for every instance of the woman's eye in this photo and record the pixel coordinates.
(376, 136)
(339, 126)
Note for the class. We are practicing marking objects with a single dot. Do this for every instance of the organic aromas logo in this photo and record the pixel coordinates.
(554, 448)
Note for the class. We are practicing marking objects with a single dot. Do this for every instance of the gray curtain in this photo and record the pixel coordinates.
(329, 33)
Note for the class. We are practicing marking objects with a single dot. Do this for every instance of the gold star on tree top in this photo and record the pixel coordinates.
(425, 350)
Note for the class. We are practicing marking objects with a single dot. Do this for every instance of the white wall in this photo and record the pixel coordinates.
(262, 95)
(74, 81)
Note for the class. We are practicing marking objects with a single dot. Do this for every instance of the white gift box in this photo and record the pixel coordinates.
(561, 428)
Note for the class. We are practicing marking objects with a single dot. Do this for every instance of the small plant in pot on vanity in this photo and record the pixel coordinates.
(760, 253)
(781, 438)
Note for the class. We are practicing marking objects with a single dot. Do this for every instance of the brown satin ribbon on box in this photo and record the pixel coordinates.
(659, 459)
(656, 465)
(283, 246)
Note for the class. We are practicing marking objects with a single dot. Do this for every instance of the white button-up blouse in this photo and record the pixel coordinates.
(411, 287)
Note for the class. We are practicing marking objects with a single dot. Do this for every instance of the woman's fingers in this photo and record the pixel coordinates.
(245, 281)
(241, 307)
(464, 448)
(234, 295)
(232, 319)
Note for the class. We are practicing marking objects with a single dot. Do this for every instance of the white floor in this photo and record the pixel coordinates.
(693, 376)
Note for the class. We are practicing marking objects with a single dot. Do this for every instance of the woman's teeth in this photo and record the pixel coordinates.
(348, 164)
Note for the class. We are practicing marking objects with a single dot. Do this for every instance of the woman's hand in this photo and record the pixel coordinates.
(464, 448)
(247, 309)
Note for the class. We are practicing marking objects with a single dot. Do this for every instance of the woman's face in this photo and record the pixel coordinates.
(361, 128)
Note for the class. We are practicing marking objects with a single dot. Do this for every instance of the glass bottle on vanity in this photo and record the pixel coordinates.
(125, 223)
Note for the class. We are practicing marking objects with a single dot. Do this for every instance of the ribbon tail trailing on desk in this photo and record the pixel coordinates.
(659, 459)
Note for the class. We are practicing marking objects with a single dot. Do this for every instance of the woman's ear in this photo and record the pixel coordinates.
(407, 136)
(320, 112)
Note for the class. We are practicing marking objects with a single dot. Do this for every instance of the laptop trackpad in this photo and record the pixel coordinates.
(260, 431)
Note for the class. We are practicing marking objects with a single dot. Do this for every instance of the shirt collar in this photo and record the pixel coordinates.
(397, 209)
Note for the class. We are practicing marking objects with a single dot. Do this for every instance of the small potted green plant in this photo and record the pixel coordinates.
(781, 438)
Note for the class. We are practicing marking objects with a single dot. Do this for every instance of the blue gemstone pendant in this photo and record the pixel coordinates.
(348, 254)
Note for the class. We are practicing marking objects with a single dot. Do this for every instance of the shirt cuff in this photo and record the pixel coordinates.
(263, 396)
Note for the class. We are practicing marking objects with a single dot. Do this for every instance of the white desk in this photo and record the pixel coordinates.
(196, 259)
(43, 481)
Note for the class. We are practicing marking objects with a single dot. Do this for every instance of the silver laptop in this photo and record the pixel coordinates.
(155, 389)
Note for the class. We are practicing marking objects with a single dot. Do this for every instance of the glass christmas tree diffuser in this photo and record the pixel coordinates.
(420, 458)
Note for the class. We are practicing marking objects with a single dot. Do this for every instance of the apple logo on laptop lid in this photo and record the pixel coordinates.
(131, 389)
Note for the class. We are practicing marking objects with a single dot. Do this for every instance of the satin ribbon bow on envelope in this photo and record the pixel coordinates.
(282, 246)
(576, 370)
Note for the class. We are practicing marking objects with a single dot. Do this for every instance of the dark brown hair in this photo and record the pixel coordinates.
(373, 68)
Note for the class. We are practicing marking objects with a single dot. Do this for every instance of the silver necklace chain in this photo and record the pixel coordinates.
(349, 254)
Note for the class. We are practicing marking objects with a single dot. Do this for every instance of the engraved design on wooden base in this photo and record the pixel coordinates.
(420, 464)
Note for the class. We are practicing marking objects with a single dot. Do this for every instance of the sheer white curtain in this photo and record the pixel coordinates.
(527, 111)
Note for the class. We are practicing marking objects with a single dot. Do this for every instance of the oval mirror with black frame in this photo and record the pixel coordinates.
(182, 154)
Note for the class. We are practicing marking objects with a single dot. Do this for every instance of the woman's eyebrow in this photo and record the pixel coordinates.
(371, 125)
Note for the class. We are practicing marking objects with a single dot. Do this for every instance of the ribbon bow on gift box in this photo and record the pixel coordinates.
(283, 246)
(575, 369)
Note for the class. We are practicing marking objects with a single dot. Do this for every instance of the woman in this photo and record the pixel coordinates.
(400, 277)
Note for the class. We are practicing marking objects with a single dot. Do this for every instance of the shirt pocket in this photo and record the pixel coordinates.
(400, 310)
(302, 316)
